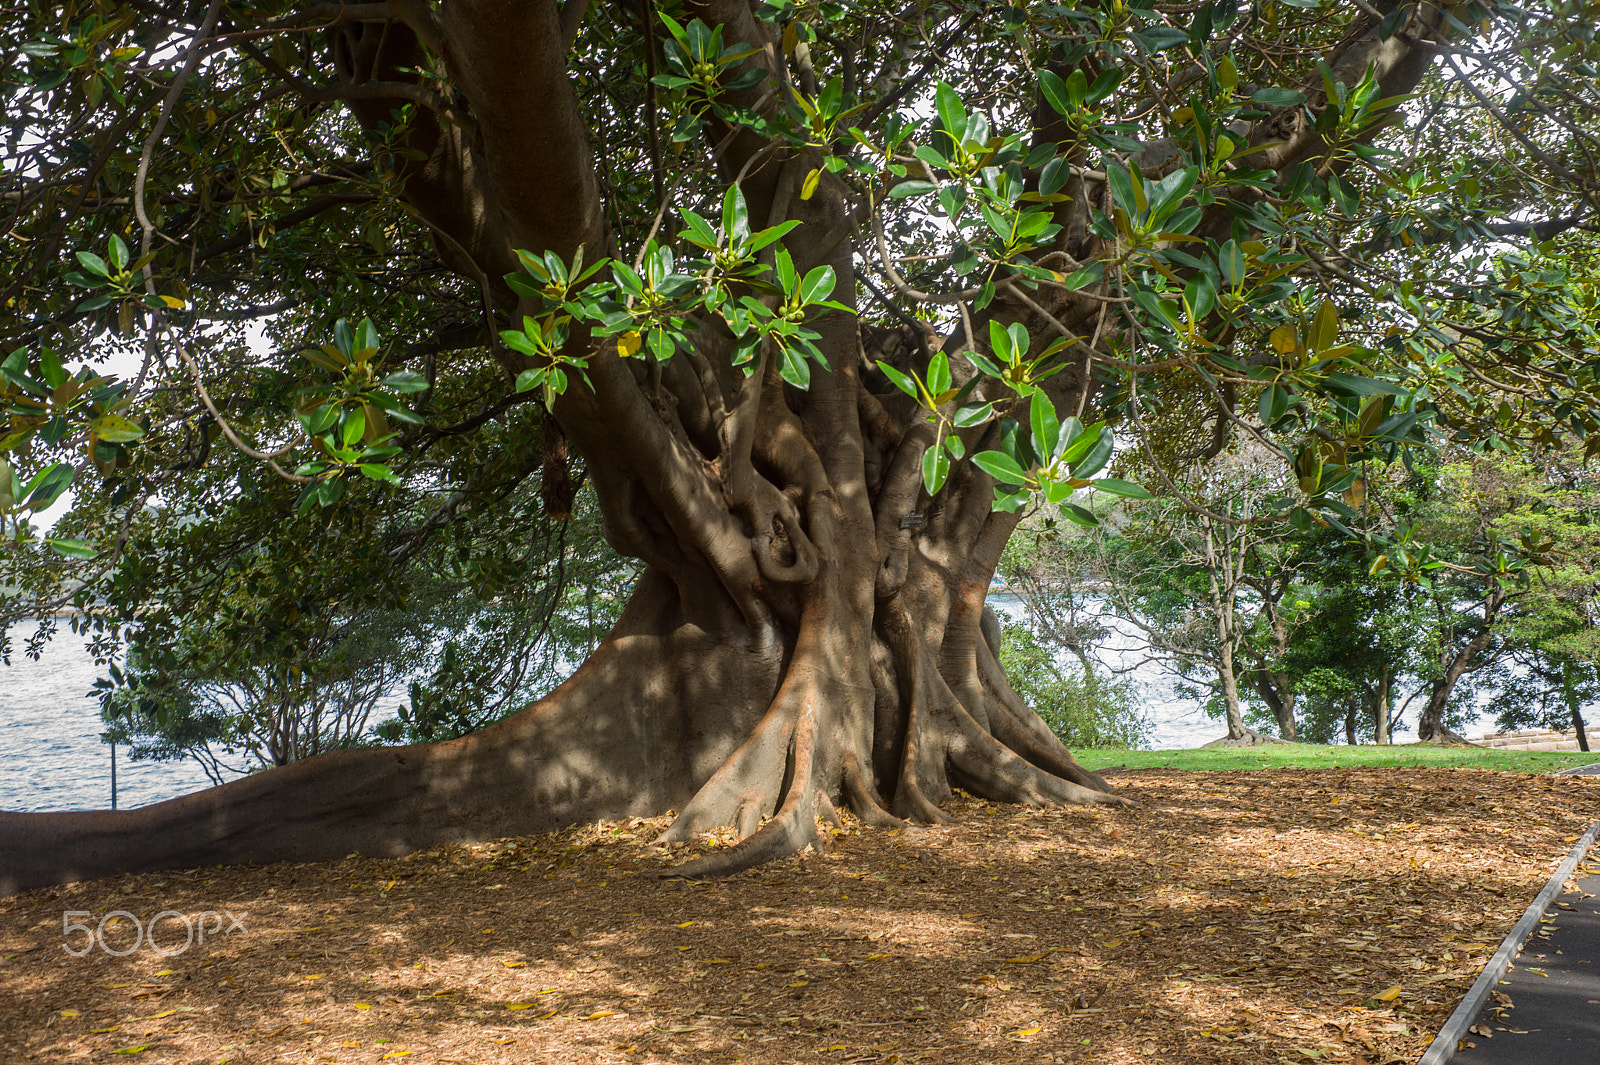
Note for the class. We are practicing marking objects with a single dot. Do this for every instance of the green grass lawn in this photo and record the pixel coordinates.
(1309, 756)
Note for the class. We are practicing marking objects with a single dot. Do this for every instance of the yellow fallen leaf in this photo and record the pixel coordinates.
(158, 1016)
(875, 957)
(1025, 1031)
(1030, 958)
(519, 1005)
(445, 992)
(597, 1014)
(71, 1013)
(164, 972)
(363, 1005)
(513, 964)
(800, 983)
(103, 1031)
(140, 1049)
(313, 976)
(548, 1014)
(686, 924)
(1388, 994)
(715, 961)
(396, 1054)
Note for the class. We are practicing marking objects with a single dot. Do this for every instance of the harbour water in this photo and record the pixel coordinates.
(51, 755)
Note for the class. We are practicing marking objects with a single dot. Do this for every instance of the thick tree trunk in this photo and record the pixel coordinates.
(730, 728)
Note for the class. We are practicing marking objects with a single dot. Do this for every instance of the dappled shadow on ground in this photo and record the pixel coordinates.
(1250, 917)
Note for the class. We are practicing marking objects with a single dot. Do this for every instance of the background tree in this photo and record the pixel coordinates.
(1549, 674)
(1152, 216)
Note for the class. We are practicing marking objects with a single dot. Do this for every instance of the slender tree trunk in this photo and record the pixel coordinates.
(1222, 603)
(1569, 690)
(1350, 705)
(1455, 665)
(1380, 710)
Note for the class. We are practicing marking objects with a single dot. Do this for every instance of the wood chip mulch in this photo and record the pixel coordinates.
(1288, 916)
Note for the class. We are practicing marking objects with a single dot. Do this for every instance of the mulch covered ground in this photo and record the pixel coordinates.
(1235, 917)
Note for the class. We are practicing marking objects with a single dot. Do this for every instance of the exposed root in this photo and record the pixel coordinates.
(996, 771)
(747, 781)
(1251, 738)
(1014, 724)
(791, 830)
(827, 811)
(862, 801)
(748, 819)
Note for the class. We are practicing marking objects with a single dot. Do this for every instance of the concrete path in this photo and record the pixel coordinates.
(1553, 991)
(1546, 1010)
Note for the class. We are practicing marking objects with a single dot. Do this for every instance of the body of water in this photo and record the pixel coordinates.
(51, 756)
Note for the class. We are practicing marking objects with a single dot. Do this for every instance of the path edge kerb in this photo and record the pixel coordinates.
(1443, 1047)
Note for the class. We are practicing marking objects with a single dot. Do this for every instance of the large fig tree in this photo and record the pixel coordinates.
(817, 297)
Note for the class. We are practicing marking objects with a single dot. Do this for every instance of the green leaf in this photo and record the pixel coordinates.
(952, 114)
(935, 469)
(766, 236)
(1231, 260)
(72, 548)
(378, 472)
(974, 414)
(406, 381)
(1125, 489)
(1121, 184)
(47, 485)
(1001, 467)
(55, 375)
(1098, 454)
(355, 425)
(366, 336)
(907, 189)
(1078, 516)
(1325, 327)
(94, 264)
(1276, 97)
(1046, 426)
(1273, 404)
(939, 373)
(735, 214)
(818, 285)
(118, 252)
(1055, 93)
(115, 429)
(795, 369)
